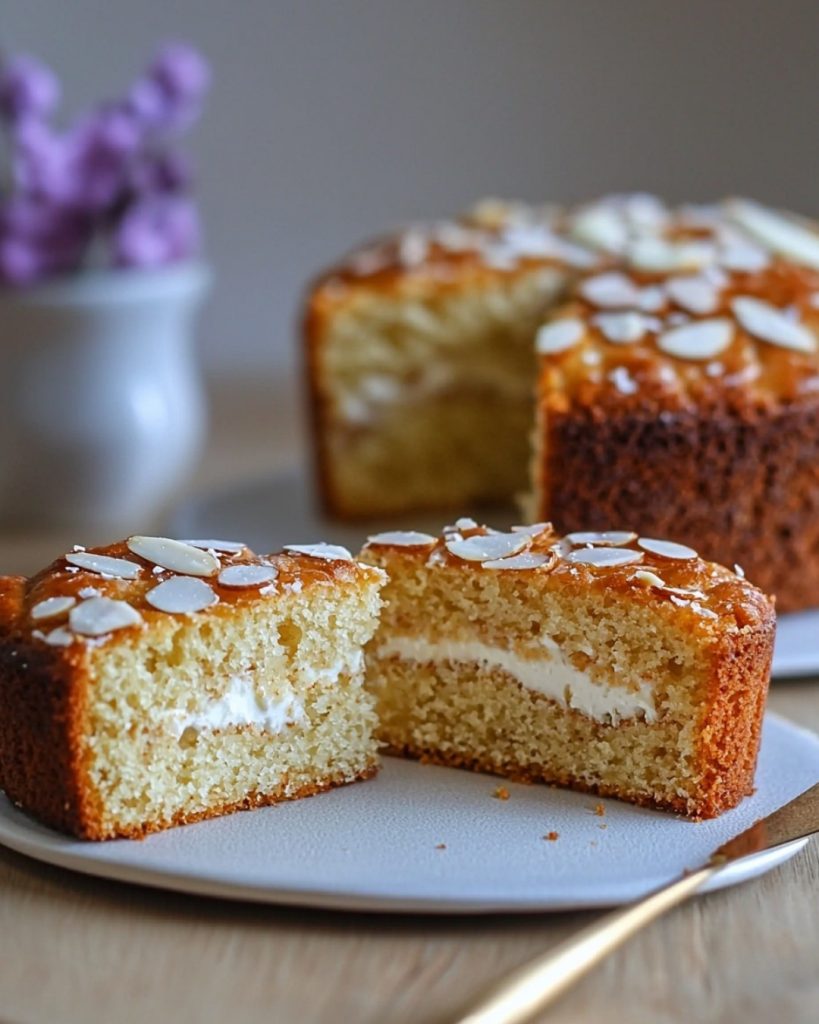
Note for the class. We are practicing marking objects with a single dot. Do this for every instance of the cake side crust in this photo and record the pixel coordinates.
(668, 475)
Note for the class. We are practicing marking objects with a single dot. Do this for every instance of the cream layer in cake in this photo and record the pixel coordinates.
(543, 669)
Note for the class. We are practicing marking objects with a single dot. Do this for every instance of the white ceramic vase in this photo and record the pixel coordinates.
(102, 411)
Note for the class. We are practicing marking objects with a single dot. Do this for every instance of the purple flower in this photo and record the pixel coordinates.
(181, 72)
(155, 231)
(28, 88)
(111, 175)
(161, 172)
(101, 148)
(41, 162)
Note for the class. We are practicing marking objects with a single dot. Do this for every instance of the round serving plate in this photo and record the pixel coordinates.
(267, 514)
(419, 838)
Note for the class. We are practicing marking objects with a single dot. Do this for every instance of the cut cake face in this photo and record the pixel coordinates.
(608, 662)
(156, 682)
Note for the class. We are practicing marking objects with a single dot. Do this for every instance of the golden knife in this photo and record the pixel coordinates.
(542, 980)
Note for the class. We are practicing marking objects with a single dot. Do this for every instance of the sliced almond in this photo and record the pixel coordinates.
(51, 607)
(59, 637)
(247, 575)
(695, 294)
(749, 259)
(100, 615)
(105, 565)
(401, 539)
(649, 579)
(328, 552)
(666, 548)
(534, 529)
(610, 538)
(654, 255)
(603, 558)
(623, 328)
(228, 547)
(700, 339)
(600, 226)
(611, 290)
(525, 560)
(174, 555)
(182, 595)
(559, 335)
(776, 232)
(487, 548)
(771, 324)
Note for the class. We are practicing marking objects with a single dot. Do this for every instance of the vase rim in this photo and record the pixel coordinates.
(115, 285)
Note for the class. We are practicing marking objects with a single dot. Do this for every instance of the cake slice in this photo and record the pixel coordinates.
(153, 683)
(618, 665)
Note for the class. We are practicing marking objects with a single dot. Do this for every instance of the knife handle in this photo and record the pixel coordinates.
(531, 987)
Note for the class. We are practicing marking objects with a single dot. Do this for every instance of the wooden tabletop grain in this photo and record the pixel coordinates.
(74, 949)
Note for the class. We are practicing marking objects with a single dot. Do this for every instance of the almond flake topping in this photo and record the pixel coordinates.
(101, 615)
(600, 226)
(623, 328)
(611, 538)
(695, 294)
(657, 256)
(174, 555)
(610, 290)
(701, 339)
(329, 552)
(776, 232)
(559, 336)
(649, 579)
(59, 637)
(487, 548)
(465, 523)
(247, 575)
(105, 565)
(666, 548)
(182, 595)
(228, 547)
(51, 607)
(771, 324)
(603, 558)
(525, 560)
(401, 539)
(533, 530)
(743, 257)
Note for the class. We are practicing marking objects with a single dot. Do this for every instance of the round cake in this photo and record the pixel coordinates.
(622, 361)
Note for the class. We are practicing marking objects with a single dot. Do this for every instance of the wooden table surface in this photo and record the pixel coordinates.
(74, 949)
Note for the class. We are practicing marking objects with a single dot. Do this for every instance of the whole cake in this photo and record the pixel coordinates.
(153, 682)
(622, 665)
(665, 361)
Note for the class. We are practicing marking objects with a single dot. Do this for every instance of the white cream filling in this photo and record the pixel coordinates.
(549, 673)
(244, 705)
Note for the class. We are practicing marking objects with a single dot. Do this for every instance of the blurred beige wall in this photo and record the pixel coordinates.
(331, 119)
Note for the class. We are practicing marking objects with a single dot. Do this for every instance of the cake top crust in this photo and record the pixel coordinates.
(635, 232)
(651, 571)
(90, 595)
(712, 337)
(665, 306)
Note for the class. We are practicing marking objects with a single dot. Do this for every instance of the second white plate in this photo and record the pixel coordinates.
(271, 513)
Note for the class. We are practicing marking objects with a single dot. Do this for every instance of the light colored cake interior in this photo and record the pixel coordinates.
(427, 394)
(249, 704)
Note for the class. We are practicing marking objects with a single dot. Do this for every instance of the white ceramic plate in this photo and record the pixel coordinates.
(268, 514)
(375, 845)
